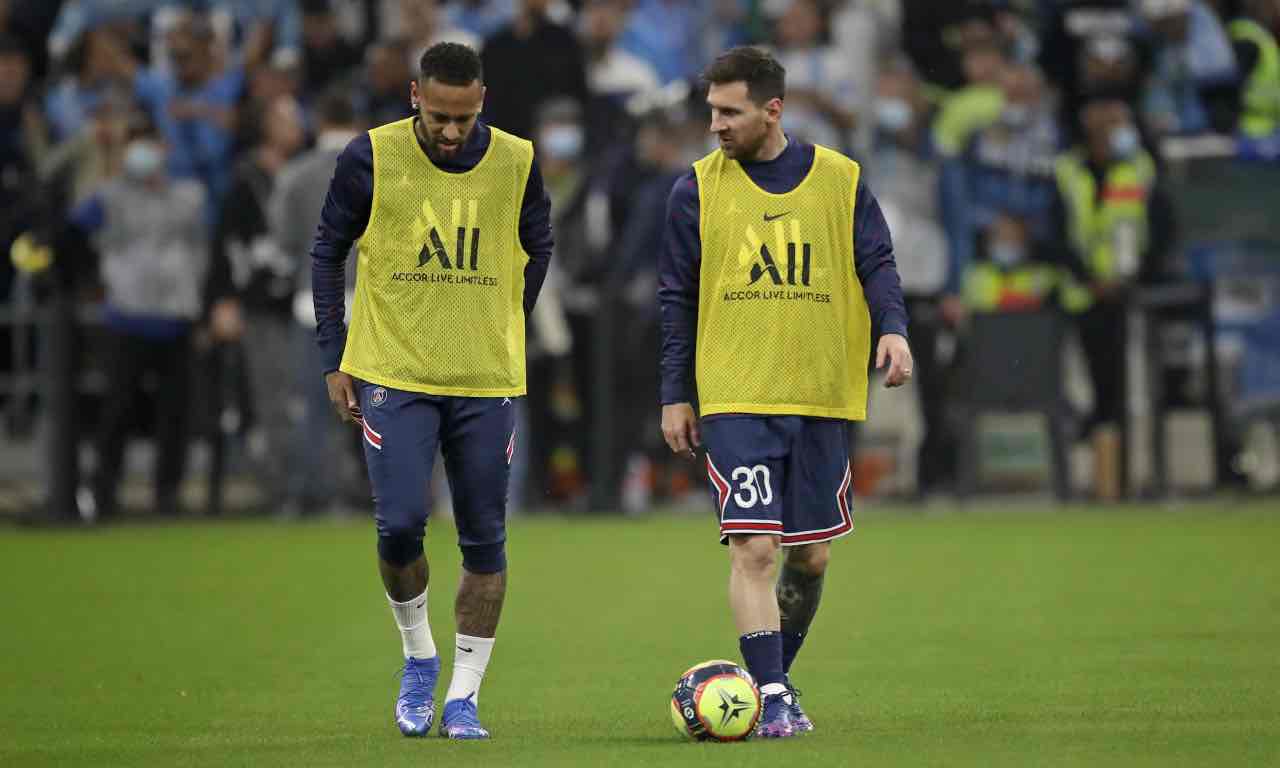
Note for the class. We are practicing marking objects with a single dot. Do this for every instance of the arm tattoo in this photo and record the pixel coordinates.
(479, 603)
(798, 595)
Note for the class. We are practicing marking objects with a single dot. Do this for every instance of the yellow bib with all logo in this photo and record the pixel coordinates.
(439, 303)
(783, 326)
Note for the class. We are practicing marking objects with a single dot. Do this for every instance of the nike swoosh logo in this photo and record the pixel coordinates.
(767, 217)
(465, 650)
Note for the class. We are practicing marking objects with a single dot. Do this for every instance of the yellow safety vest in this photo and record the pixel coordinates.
(988, 288)
(1261, 114)
(1096, 222)
(783, 326)
(439, 302)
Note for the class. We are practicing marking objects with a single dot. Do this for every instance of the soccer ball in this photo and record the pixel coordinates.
(715, 701)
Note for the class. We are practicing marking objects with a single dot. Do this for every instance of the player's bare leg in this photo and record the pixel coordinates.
(799, 591)
(404, 583)
(753, 569)
(407, 592)
(477, 609)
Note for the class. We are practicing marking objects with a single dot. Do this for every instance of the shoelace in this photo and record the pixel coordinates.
(414, 688)
(467, 715)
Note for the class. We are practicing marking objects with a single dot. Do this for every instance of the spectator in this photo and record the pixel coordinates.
(1005, 173)
(319, 474)
(97, 64)
(1193, 85)
(385, 96)
(150, 235)
(1117, 224)
(669, 34)
(938, 36)
(975, 106)
(527, 63)
(264, 277)
(194, 106)
(820, 93)
(79, 165)
(1094, 45)
(19, 137)
(482, 18)
(904, 171)
(1254, 36)
(327, 57)
(612, 72)
(425, 25)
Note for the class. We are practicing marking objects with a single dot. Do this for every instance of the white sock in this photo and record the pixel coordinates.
(415, 632)
(471, 657)
(774, 688)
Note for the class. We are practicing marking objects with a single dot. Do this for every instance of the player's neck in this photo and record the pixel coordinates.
(774, 144)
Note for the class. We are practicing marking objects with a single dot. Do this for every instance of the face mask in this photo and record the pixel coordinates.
(142, 159)
(1016, 115)
(1125, 141)
(562, 142)
(893, 114)
(1006, 255)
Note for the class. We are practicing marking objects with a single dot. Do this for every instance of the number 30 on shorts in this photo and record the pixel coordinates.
(753, 486)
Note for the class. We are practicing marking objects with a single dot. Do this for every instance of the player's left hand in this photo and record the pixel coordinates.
(894, 350)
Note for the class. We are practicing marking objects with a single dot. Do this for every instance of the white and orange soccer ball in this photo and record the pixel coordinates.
(716, 700)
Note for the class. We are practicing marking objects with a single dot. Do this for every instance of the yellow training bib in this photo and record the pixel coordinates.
(783, 326)
(439, 302)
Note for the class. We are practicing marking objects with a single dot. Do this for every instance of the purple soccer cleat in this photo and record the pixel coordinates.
(775, 721)
(799, 720)
(461, 720)
(416, 705)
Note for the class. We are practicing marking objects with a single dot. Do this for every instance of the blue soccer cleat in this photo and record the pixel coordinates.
(775, 721)
(416, 705)
(461, 720)
(799, 720)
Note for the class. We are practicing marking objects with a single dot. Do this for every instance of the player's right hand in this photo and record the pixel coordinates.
(680, 429)
(342, 393)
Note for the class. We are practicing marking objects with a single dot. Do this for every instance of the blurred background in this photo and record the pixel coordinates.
(1083, 197)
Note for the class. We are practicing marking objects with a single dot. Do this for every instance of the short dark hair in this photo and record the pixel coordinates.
(451, 64)
(766, 79)
(335, 108)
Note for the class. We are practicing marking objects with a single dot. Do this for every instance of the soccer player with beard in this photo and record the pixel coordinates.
(454, 237)
(778, 263)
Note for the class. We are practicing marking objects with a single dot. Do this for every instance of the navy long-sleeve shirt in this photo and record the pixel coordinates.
(680, 264)
(346, 214)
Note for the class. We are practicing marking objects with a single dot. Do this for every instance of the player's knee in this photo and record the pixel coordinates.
(484, 558)
(810, 558)
(754, 554)
(400, 539)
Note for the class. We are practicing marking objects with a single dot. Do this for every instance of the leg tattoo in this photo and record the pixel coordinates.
(479, 602)
(798, 595)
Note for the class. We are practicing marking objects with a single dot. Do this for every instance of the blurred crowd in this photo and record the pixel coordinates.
(174, 157)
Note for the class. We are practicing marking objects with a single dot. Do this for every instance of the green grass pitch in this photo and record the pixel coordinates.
(1086, 636)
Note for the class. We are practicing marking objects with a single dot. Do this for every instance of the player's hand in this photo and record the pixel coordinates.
(680, 429)
(342, 393)
(894, 350)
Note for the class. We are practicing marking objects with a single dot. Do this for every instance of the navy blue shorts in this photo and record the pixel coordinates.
(476, 436)
(788, 476)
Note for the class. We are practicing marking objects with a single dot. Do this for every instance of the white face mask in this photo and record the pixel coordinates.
(1016, 115)
(1125, 142)
(893, 114)
(562, 142)
(143, 159)
(1005, 255)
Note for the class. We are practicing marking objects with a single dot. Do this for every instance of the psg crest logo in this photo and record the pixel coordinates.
(379, 397)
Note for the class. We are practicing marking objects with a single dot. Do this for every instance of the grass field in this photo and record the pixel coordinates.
(1127, 637)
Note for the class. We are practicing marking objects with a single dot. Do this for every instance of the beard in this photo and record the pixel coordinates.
(744, 148)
